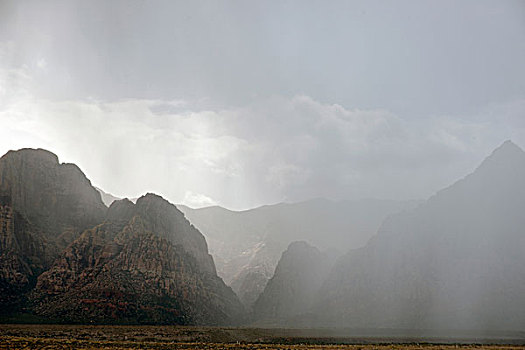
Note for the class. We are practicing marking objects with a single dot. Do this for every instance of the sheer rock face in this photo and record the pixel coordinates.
(44, 205)
(144, 264)
(291, 291)
(58, 198)
(169, 223)
(456, 261)
(66, 257)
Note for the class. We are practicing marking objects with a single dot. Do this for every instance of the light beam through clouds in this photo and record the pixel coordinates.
(278, 149)
(245, 104)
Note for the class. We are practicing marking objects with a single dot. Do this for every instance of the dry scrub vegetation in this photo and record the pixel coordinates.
(173, 337)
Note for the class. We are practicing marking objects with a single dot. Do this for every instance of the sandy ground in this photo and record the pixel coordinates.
(176, 337)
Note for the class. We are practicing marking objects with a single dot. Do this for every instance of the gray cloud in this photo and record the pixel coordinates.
(414, 58)
(244, 104)
(277, 149)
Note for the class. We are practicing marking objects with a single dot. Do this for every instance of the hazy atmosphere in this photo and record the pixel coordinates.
(267, 174)
(243, 104)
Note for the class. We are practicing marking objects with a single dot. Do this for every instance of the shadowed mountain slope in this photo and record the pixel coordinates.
(298, 276)
(66, 257)
(247, 245)
(144, 264)
(456, 261)
(44, 206)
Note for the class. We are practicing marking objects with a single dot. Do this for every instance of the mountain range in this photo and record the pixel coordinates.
(455, 261)
(246, 245)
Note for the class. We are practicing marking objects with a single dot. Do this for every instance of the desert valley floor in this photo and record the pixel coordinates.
(176, 337)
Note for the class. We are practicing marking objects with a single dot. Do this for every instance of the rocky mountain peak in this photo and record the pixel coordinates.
(498, 180)
(120, 206)
(168, 222)
(146, 257)
(33, 155)
(508, 147)
(459, 253)
(45, 205)
(158, 209)
(291, 291)
(508, 157)
(67, 257)
(298, 247)
(54, 196)
(120, 212)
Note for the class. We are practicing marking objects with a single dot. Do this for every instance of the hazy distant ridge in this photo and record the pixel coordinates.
(247, 245)
(454, 262)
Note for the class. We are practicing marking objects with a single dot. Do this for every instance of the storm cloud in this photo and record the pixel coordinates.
(244, 104)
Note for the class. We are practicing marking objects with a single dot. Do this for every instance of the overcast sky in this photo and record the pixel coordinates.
(245, 103)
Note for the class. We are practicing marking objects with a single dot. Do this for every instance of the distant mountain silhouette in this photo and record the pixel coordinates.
(107, 198)
(66, 257)
(298, 276)
(456, 261)
(247, 245)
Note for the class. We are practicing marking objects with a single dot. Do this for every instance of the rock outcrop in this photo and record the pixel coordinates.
(144, 264)
(44, 206)
(66, 257)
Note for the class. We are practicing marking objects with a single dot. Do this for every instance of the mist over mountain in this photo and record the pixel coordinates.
(322, 168)
(292, 289)
(454, 262)
(107, 198)
(66, 257)
(247, 245)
